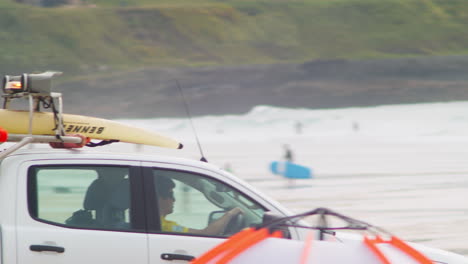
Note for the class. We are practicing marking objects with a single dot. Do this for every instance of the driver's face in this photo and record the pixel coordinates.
(166, 204)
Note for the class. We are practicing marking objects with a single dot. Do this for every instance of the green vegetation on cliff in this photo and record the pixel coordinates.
(111, 34)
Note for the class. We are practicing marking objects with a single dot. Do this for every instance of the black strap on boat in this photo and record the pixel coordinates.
(102, 143)
(323, 225)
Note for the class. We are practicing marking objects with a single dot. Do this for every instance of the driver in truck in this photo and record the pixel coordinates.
(166, 201)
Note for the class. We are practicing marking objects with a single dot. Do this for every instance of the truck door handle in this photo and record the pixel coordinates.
(40, 248)
(168, 256)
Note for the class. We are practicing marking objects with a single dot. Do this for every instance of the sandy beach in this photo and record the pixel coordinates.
(417, 192)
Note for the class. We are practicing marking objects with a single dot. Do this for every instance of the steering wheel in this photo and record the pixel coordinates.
(236, 224)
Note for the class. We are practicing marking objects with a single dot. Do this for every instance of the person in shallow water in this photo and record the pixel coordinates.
(166, 201)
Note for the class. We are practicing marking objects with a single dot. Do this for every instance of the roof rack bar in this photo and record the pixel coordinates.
(31, 113)
(44, 139)
(24, 141)
(60, 130)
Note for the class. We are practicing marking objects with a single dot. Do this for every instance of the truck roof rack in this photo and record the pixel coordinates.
(23, 140)
(36, 88)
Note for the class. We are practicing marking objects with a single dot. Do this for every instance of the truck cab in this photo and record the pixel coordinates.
(74, 206)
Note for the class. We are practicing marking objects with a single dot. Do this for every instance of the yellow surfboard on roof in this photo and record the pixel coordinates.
(37, 88)
(17, 122)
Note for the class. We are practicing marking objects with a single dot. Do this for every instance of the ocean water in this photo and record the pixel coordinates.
(401, 167)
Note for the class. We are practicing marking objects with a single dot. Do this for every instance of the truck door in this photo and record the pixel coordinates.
(182, 205)
(78, 213)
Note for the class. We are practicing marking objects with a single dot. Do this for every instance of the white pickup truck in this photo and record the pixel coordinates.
(81, 206)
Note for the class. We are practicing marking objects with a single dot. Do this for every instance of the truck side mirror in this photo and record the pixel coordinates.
(269, 217)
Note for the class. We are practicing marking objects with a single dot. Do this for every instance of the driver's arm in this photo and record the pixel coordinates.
(217, 226)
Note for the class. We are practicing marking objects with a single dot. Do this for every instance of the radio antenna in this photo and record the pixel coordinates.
(187, 111)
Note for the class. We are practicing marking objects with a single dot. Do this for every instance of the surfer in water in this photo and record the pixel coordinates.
(166, 201)
(298, 127)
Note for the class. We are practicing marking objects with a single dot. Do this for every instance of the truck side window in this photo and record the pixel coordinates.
(81, 196)
(190, 202)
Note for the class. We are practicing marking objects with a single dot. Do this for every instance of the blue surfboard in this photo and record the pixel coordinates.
(290, 170)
